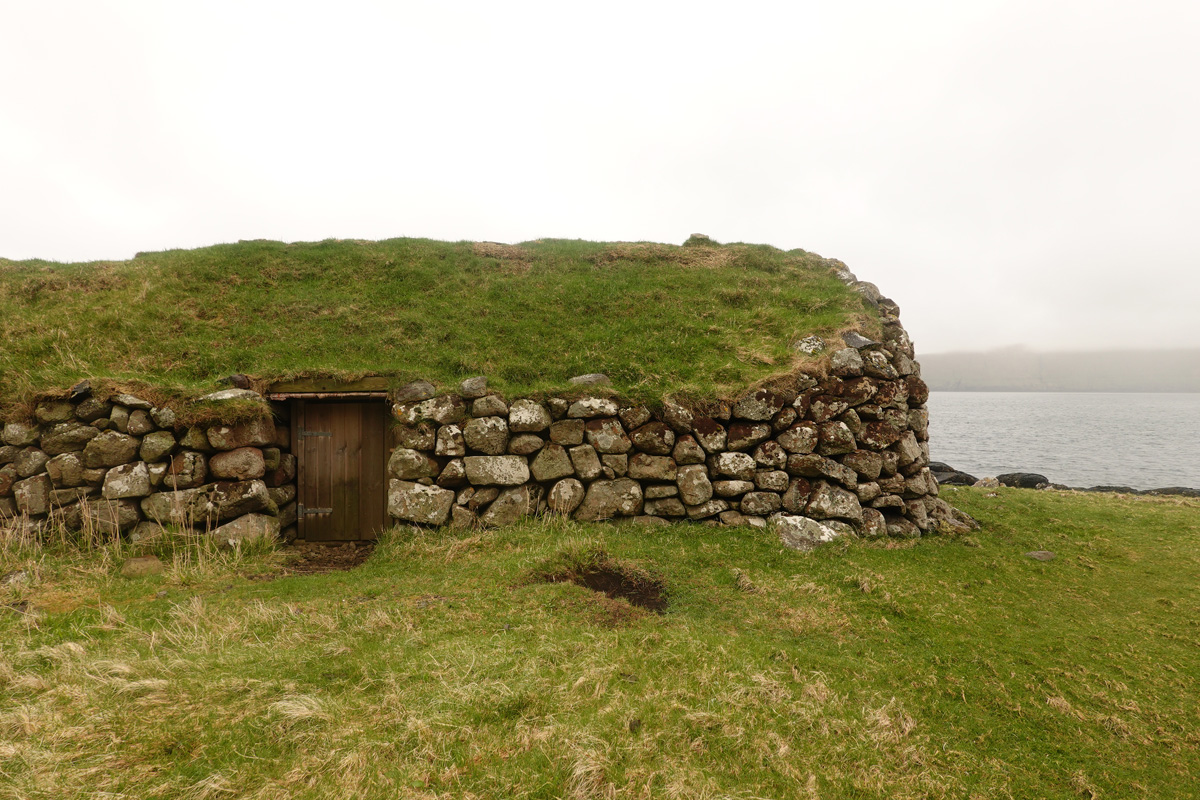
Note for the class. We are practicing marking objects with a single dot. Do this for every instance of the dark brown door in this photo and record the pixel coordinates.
(340, 469)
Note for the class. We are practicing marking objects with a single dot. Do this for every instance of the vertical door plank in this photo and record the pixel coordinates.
(301, 463)
(374, 495)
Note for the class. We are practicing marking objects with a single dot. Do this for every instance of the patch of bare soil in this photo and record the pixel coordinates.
(616, 581)
(317, 558)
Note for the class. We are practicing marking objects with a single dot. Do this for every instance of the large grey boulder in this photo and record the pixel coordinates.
(415, 392)
(710, 434)
(688, 451)
(744, 435)
(49, 412)
(171, 508)
(496, 470)
(127, 480)
(835, 438)
(801, 533)
(414, 502)
(567, 432)
(472, 388)
(110, 449)
(800, 438)
(846, 362)
(760, 504)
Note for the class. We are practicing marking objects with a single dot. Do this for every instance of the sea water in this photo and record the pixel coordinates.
(1144, 441)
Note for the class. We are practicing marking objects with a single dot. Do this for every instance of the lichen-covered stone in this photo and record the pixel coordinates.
(65, 470)
(453, 475)
(227, 500)
(846, 362)
(450, 441)
(607, 436)
(607, 499)
(414, 502)
(760, 406)
(67, 437)
(248, 528)
(242, 464)
(801, 533)
(30, 461)
(800, 438)
(525, 444)
(139, 423)
(760, 503)
(772, 480)
(679, 417)
(110, 449)
(586, 462)
(694, 486)
(526, 416)
(473, 388)
(710, 434)
(21, 434)
(795, 497)
(829, 501)
(707, 509)
(633, 417)
(565, 496)
(908, 449)
(508, 507)
(92, 409)
(487, 435)
(443, 410)
(657, 491)
(732, 488)
(835, 438)
(745, 435)
(876, 365)
(491, 405)
(665, 507)
(551, 463)
(643, 466)
(874, 526)
(127, 480)
(156, 446)
(769, 455)
(195, 439)
(739, 466)
(32, 495)
(567, 432)
(258, 432)
(421, 435)
(591, 407)
(496, 470)
(688, 451)
(49, 412)
(655, 438)
(411, 465)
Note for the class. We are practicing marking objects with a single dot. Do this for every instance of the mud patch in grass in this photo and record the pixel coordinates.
(592, 568)
(316, 558)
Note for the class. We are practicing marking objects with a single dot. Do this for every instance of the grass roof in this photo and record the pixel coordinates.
(701, 320)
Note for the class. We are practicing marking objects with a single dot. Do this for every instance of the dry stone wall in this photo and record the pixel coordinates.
(843, 454)
(118, 464)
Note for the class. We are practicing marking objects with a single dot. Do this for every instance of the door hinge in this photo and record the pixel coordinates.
(304, 511)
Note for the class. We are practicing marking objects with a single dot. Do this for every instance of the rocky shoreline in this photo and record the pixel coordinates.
(947, 475)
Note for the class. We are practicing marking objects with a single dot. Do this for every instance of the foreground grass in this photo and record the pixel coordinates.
(937, 668)
(700, 320)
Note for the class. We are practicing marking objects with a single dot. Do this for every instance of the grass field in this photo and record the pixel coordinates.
(444, 667)
(658, 319)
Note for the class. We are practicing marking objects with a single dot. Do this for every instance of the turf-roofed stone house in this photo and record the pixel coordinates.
(825, 436)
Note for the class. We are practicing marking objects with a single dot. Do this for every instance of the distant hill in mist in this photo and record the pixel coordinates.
(1017, 369)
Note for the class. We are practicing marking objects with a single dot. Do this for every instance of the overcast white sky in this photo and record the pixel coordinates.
(1009, 172)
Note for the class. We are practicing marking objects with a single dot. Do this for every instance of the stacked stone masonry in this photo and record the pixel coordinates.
(837, 455)
(118, 465)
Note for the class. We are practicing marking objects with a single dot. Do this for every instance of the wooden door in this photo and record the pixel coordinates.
(340, 468)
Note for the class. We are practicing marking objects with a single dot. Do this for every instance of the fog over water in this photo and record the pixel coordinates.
(1144, 441)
